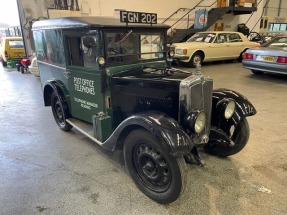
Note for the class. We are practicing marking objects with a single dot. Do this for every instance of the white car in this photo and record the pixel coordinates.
(33, 68)
(211, 46)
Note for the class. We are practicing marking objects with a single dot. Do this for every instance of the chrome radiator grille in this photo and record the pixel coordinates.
(196, 94)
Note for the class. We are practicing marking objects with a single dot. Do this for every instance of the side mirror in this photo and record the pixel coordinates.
(89, 41)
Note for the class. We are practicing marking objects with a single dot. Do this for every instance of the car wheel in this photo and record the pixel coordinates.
(256, 72)
(155, 172)
(239, 135)
(4, 63)
(60, 114)
(196, 58)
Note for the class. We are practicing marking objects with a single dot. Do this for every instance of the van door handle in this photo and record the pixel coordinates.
(67, 74)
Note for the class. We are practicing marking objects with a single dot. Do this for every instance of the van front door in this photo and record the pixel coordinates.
(83, 76)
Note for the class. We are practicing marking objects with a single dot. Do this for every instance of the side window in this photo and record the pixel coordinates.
(234, 38)
(221, 38)
(90, 51)
(75, 51)
(83, 51)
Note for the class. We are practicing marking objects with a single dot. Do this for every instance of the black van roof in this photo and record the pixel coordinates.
(88, 22)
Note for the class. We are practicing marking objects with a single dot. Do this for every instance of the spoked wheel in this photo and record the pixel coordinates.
(156, 173)
(196, 58)
(59, 112)
(238, 135)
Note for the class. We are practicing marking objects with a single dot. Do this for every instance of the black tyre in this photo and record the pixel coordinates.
(196, 58)
(22, 69)
(256, 72)
(4, 63)
(60, 114)
(156, 173)
(239, 135)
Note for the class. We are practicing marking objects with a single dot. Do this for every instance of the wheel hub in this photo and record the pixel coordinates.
(152, 167)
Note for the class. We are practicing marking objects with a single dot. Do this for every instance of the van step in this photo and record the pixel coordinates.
(84, 127)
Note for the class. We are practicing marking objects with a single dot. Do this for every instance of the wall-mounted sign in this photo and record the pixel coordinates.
(137, 17)
(200, 19)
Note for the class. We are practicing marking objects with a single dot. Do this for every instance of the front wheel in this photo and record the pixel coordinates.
(60, 114)
(155, 172)
(196, 58)
(238, 135)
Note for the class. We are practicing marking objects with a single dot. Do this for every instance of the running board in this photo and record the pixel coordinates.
(84, 128)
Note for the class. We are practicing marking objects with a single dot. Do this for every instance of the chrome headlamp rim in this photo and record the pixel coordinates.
(195, 121)
(200, 122)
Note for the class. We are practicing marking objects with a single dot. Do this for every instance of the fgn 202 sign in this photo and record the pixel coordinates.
(136, 17)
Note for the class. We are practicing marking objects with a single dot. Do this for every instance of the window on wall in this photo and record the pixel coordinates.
(277, 27)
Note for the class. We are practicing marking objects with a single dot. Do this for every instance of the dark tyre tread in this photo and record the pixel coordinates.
(59, 113)
(137, 146)
(240, 138)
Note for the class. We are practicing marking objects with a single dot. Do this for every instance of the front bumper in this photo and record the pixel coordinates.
(265, 67)
(180, 57)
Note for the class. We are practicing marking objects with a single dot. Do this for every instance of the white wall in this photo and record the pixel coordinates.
(33, 9)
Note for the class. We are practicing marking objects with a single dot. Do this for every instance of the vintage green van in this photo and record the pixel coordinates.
(111, 80)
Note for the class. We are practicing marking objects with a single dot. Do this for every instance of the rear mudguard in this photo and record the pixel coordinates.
(56, 86)
(219, 124)
(167, 131)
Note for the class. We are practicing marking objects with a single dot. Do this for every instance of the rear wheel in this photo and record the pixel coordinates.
(256, 72)
(156, 173)
(196, 58)
(60, 114)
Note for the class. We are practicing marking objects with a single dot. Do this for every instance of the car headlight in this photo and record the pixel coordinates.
(101, 60)
(171, 53)
(181, 51)
(229, 109)
(196, 121)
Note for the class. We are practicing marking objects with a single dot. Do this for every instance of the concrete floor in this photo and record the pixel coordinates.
(44, 170)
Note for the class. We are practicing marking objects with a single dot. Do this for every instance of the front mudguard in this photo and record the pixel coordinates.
(220, 127)
(167, 131)
(243, 107)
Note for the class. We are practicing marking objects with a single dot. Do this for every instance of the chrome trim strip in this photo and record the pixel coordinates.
(85, 133)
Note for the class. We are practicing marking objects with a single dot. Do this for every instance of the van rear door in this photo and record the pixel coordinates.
(15, 49)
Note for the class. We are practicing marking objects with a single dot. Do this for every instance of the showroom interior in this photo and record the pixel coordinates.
(156, 125)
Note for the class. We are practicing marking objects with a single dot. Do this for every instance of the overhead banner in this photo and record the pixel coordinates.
(200, 19)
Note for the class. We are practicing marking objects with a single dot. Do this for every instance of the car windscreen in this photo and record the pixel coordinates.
(202, 37)
(133, 46)
(15, 43)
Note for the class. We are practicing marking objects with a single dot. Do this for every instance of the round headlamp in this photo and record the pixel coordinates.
(101, 60)
(195, 121)
(229, 109)
(200, 122)
(171, 53)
